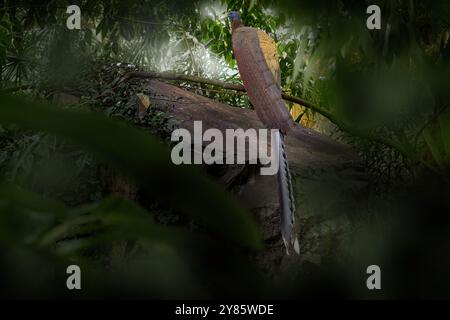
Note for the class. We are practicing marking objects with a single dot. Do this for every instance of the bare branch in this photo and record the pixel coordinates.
(351, 129)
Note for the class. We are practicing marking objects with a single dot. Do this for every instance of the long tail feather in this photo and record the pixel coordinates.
(285, 191)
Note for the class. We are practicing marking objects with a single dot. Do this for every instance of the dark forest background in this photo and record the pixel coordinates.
(384, 93)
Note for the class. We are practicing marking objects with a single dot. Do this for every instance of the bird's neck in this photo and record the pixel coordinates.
(236, 24)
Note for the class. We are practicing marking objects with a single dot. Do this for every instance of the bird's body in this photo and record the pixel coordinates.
(257, 59)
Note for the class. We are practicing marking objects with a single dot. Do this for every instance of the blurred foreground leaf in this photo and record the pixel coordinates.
(143, 158)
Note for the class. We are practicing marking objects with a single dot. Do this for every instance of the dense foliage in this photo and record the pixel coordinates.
(382, 92)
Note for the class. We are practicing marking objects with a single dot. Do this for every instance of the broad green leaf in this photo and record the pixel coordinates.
(433, 146)
(29, 200)
(143, 157)
(444, 125)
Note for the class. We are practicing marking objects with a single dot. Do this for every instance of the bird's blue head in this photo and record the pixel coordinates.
(234, 16)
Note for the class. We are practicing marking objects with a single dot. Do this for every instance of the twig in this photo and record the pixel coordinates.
(218, 83)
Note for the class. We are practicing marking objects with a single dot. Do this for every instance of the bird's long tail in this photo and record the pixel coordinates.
(286, 195)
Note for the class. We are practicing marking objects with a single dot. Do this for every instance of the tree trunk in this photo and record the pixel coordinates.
(328, 178)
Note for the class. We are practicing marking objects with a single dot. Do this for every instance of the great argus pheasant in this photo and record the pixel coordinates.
(257, 59)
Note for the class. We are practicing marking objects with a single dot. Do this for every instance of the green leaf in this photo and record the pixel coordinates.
(434, 147)
(100, 27)
(142, 157)
(24, 215)
(117, 219)
(217, 31)
(29, 200)
(444, 124)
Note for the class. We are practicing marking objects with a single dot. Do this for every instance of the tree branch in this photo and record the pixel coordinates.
(218, 83)
(238, 87)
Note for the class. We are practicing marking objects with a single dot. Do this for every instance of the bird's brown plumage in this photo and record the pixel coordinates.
(257, 59)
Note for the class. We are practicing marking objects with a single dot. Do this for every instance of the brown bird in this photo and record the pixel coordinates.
(257, 59)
